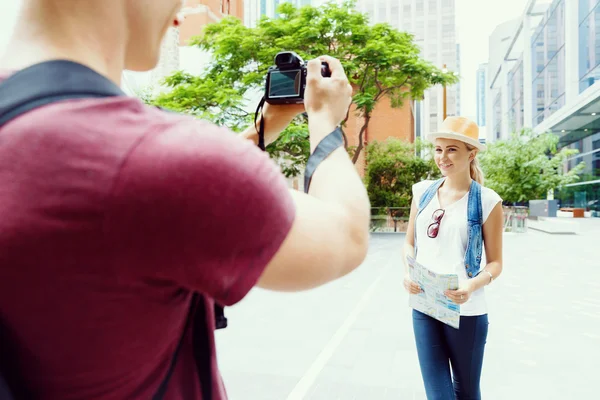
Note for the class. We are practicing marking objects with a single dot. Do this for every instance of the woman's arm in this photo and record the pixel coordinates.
(409, 242)
(492, 239)
(409, 250)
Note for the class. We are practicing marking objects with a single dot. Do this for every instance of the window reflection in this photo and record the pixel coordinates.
(589, 43)
(548, 50)
(498, 115)
(515, 95)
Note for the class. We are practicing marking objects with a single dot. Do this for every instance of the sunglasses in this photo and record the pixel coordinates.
(434, 227)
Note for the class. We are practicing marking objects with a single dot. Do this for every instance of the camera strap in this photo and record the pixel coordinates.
(261, 129)
(327, 146)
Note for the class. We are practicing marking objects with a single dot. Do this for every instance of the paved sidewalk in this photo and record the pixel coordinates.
(353, 339)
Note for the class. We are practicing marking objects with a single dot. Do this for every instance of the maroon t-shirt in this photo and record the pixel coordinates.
(111, 214)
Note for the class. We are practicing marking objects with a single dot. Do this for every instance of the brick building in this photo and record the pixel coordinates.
(386, 122)
(199, 13)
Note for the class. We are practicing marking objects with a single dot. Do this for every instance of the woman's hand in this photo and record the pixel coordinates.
(462, 294)
(410, 286)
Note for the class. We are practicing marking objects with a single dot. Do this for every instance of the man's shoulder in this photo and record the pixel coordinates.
(122, 122)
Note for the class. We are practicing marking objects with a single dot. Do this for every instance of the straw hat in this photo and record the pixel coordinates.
(458, 128)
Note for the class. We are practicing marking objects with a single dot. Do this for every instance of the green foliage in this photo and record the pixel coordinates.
(526, 166)
(379, 61)
(392, 170)
(291, 149)
(206, 99)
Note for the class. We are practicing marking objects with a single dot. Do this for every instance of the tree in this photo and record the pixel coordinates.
(379, 61)
(526, 166)
(392, 169)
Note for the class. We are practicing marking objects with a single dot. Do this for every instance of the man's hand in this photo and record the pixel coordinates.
(278, 117)
(327, 100)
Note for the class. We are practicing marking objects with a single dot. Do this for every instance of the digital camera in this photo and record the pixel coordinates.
(286, 80)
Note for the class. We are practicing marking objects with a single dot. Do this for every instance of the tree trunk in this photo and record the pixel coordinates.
(344, 132)
(360, 139)
(345, 139)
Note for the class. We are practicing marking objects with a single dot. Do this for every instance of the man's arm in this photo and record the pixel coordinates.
(326, 241)
(330, 233)
(277, 118)
(195, 205)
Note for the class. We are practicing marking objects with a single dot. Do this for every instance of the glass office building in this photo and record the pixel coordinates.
(481, 92)
(549, 80)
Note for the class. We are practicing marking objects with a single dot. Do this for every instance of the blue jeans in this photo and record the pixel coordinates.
(440, 347)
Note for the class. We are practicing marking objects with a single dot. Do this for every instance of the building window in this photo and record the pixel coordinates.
(382, 13)
(498, 115)
(395, 13)
(433, 124)
(432, 6)
(589, 43)
(515, 96)
(548, 67)
(420, 8)
(225, 7)
(481, 97)
(263, 7)
(585, 192)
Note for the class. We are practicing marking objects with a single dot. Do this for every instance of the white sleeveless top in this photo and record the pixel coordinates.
(445, 254)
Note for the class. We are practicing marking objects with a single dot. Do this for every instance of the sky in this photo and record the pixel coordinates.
(475, 21)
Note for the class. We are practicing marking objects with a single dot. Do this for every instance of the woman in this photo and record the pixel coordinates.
(449, 221)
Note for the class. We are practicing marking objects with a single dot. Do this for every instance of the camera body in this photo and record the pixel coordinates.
(286, 80)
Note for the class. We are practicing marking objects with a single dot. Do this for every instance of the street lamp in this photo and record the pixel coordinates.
(444, 70)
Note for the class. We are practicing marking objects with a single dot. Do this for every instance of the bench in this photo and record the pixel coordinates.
(577, 212)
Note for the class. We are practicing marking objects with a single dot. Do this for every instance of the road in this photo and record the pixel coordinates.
(352, 339)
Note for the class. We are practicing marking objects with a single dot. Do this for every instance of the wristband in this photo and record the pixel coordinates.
(327, 146)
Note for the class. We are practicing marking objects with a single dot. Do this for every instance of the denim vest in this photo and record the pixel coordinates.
(474, 228)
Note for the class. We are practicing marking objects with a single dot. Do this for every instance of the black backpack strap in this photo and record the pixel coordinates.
(162, 388)
(60, 80)
(49, 82)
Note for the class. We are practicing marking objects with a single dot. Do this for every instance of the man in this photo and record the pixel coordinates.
(114, 213)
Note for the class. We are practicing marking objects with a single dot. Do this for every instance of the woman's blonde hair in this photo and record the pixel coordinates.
(476, 171)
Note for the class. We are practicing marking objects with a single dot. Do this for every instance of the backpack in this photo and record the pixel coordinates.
(59, 80)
